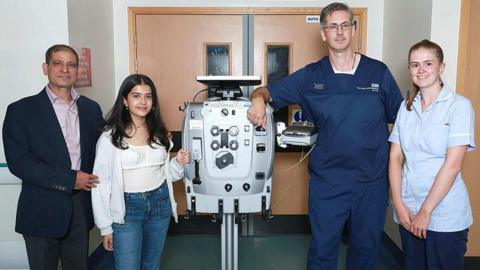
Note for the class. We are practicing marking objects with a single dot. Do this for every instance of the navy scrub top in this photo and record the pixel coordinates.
(351, 113)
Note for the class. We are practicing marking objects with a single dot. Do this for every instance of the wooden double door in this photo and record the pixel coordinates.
(171, 46)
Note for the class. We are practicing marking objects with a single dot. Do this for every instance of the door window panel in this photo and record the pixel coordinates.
(217, 59)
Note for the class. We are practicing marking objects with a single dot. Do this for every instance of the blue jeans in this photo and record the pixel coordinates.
(138, 244)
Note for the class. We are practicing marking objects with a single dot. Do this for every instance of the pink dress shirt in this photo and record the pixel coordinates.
(67, 116)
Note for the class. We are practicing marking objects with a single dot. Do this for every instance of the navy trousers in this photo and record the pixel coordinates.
(439, 251)
(362, 207)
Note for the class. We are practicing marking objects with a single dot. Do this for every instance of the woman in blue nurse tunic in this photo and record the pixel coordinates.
(433, 131)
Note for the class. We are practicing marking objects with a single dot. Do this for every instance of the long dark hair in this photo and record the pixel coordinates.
(437, 50)
(119, 119)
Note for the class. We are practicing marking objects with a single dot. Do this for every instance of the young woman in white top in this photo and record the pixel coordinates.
(433, 131)
(133, 203)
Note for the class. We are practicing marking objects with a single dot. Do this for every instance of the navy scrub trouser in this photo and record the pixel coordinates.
(362, 207)
(439, 251)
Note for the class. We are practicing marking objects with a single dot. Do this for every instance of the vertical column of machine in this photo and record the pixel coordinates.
(229, 238)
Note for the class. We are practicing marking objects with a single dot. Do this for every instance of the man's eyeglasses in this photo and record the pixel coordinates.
(61, 64)
(335, 27)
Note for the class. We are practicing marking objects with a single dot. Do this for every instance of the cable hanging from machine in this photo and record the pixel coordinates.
(182, 109)
(203, 90)
(302, 158)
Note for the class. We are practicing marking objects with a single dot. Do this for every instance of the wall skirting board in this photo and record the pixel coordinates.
(472, 263)
(13, 255)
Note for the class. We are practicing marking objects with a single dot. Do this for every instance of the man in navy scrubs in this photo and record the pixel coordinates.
(351, 99)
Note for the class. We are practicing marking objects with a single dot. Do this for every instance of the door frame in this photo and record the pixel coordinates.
(134, 11)
(469, 85)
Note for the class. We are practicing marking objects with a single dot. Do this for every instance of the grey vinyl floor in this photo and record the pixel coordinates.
(272, 252)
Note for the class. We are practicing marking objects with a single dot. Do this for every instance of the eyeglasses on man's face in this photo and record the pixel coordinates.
(335, 27)
(60, 64)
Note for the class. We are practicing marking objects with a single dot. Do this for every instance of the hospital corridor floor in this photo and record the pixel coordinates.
(270, 252)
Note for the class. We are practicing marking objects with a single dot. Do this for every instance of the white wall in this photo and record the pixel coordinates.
(90, 25)
(398, 36)
(26, 35)
(28, 29)
(438, 21)
(120, 22)
(445, 31)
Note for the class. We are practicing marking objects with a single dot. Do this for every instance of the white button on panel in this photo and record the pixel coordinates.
(233, 131)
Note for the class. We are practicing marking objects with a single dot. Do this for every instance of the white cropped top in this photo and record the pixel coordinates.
(142, 167)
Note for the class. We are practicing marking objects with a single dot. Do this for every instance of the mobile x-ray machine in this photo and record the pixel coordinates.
(232, 160)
